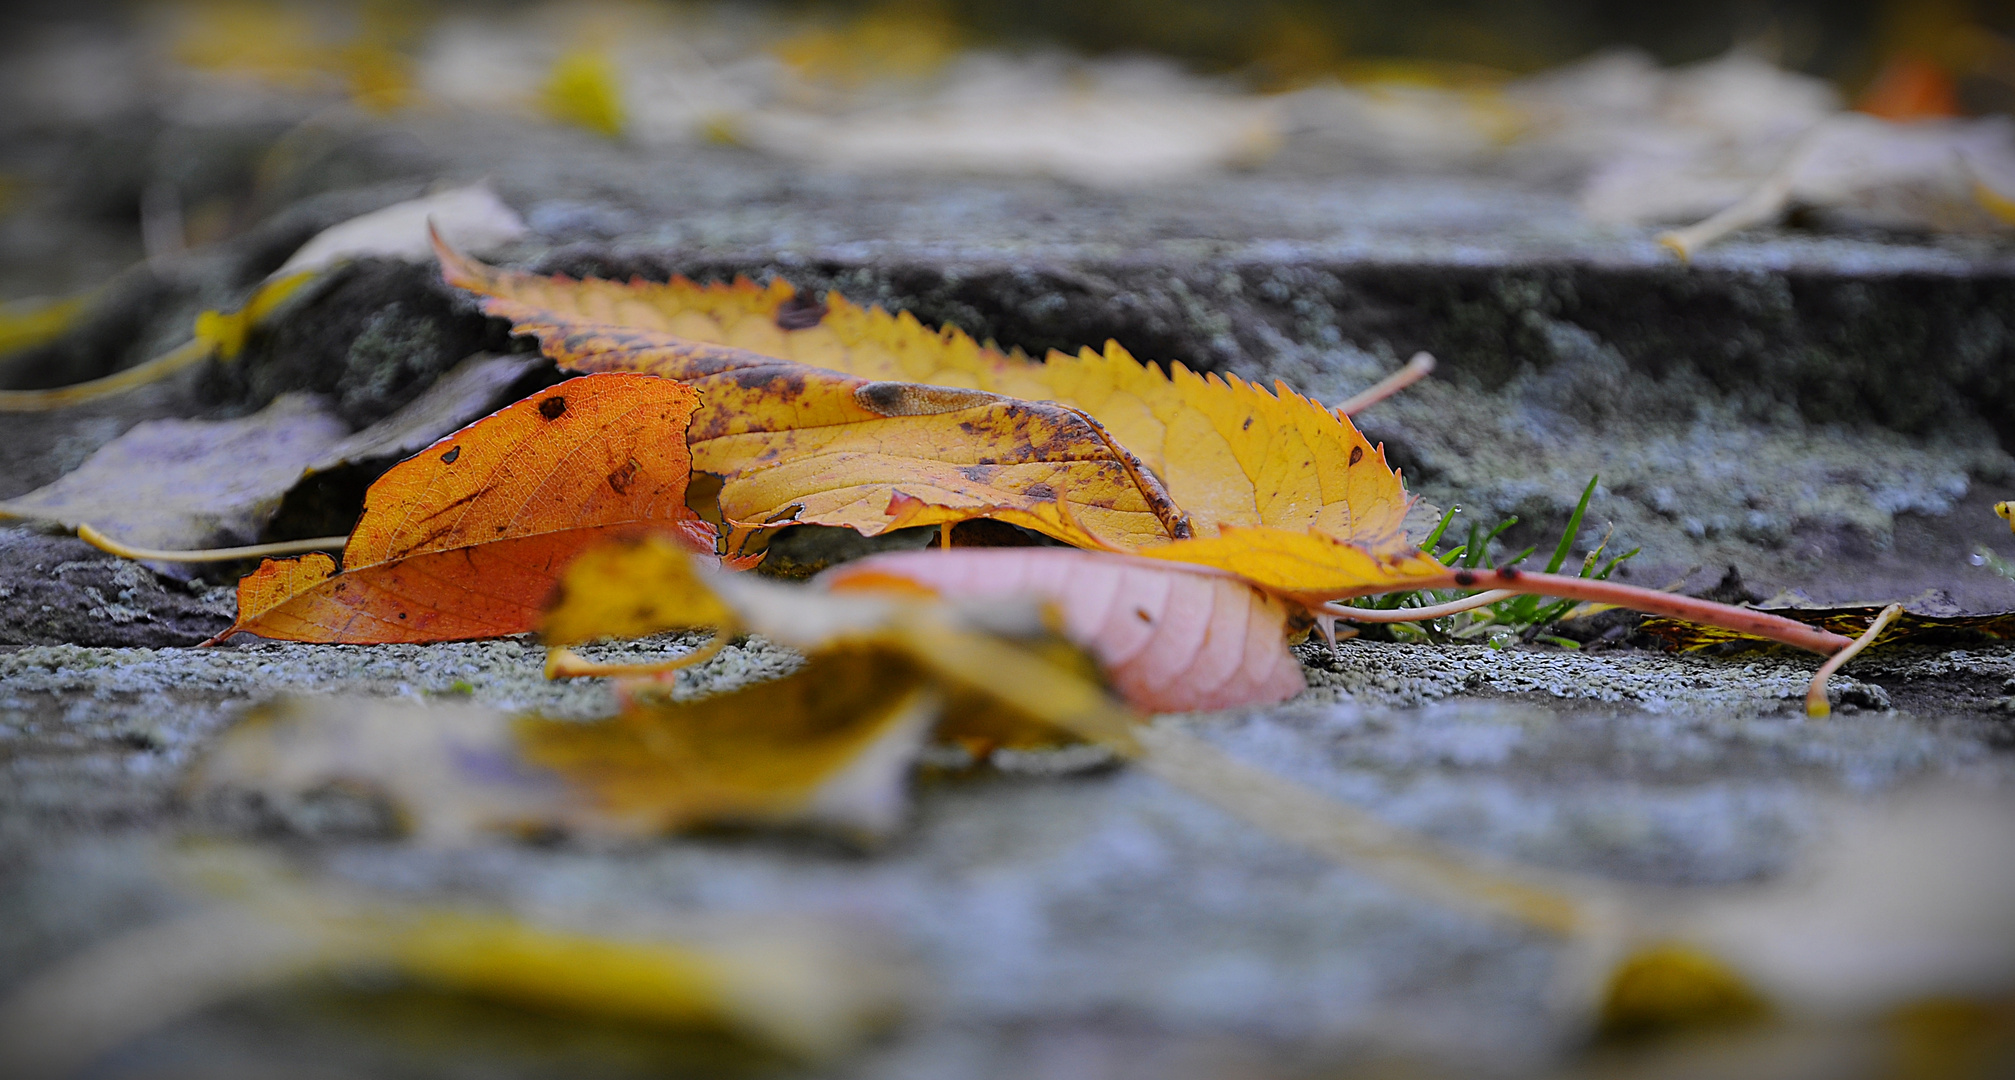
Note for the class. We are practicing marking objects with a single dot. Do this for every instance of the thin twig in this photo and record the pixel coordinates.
(60, 397)
(102, 542)
(1415, 370)
(1816, 705)
(1417, 614)
(567, 664)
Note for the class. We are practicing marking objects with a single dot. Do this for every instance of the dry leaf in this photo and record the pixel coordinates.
(1849, 620)
(1308, 567)
(829, 746)
(1940, 175)
(804, 445)
(808, 987)
(181, 484)
(1169, 638)
(1106, 125)
(473, 216)
(190, 483)
(467, 538)
(1229, 452)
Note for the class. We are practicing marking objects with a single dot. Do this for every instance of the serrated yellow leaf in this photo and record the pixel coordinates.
(1230, 453)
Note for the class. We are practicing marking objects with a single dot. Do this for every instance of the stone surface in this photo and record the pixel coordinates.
(1826, 411)
(1102, 921)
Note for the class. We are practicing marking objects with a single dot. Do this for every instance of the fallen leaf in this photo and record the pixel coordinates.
(1228, 452)
(399, 231)
(584, 89)
(467, 538)
(472, 215)
(1169, 638)
(996, 651)
(997, 115)
(830, 744)
(185, 484)
(804, 445)
(1846, 619)
(1940, 175)
(190, 483)
(810, 987)
(1308, 567)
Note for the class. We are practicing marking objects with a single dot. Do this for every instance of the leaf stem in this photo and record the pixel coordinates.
(1415, 370)
(567, 664)
(1742, 620)
(1418, 614)
(59, 397)
(102, 542)
(1816, 705)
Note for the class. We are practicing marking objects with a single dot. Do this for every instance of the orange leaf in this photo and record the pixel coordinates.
(467, 538)
(1170, 638)
(1228, 452)
(798, 444)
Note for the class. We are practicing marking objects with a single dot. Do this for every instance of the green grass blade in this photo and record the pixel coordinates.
(1573, 528)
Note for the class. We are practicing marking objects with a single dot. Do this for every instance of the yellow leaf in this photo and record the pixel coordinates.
(809, 987)
(1309, 567)
(585, 88)
(25, 324)
(830, 744)
(1010, 662)
(630, 589)
(1228, 452)
(799, 444)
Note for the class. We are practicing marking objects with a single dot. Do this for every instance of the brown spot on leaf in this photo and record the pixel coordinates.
(449, 457)
(1142, 615)
(916, 399)
(1247, 425)
(800, 312)
(624, 476)
(1041, 491)
(553, 407)
(1356, 454)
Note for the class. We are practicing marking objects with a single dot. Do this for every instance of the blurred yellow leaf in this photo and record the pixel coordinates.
(585, 88)
(25, 324)
(903, 39)
(808, 987)
(830, 744)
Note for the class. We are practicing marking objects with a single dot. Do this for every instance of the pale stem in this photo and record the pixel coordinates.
(1418, 614)
(1816, 705)
(1415, 370)
(1551, 902)
(118, 382)
(102, 542)
(567, 664)
(1763, 203)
